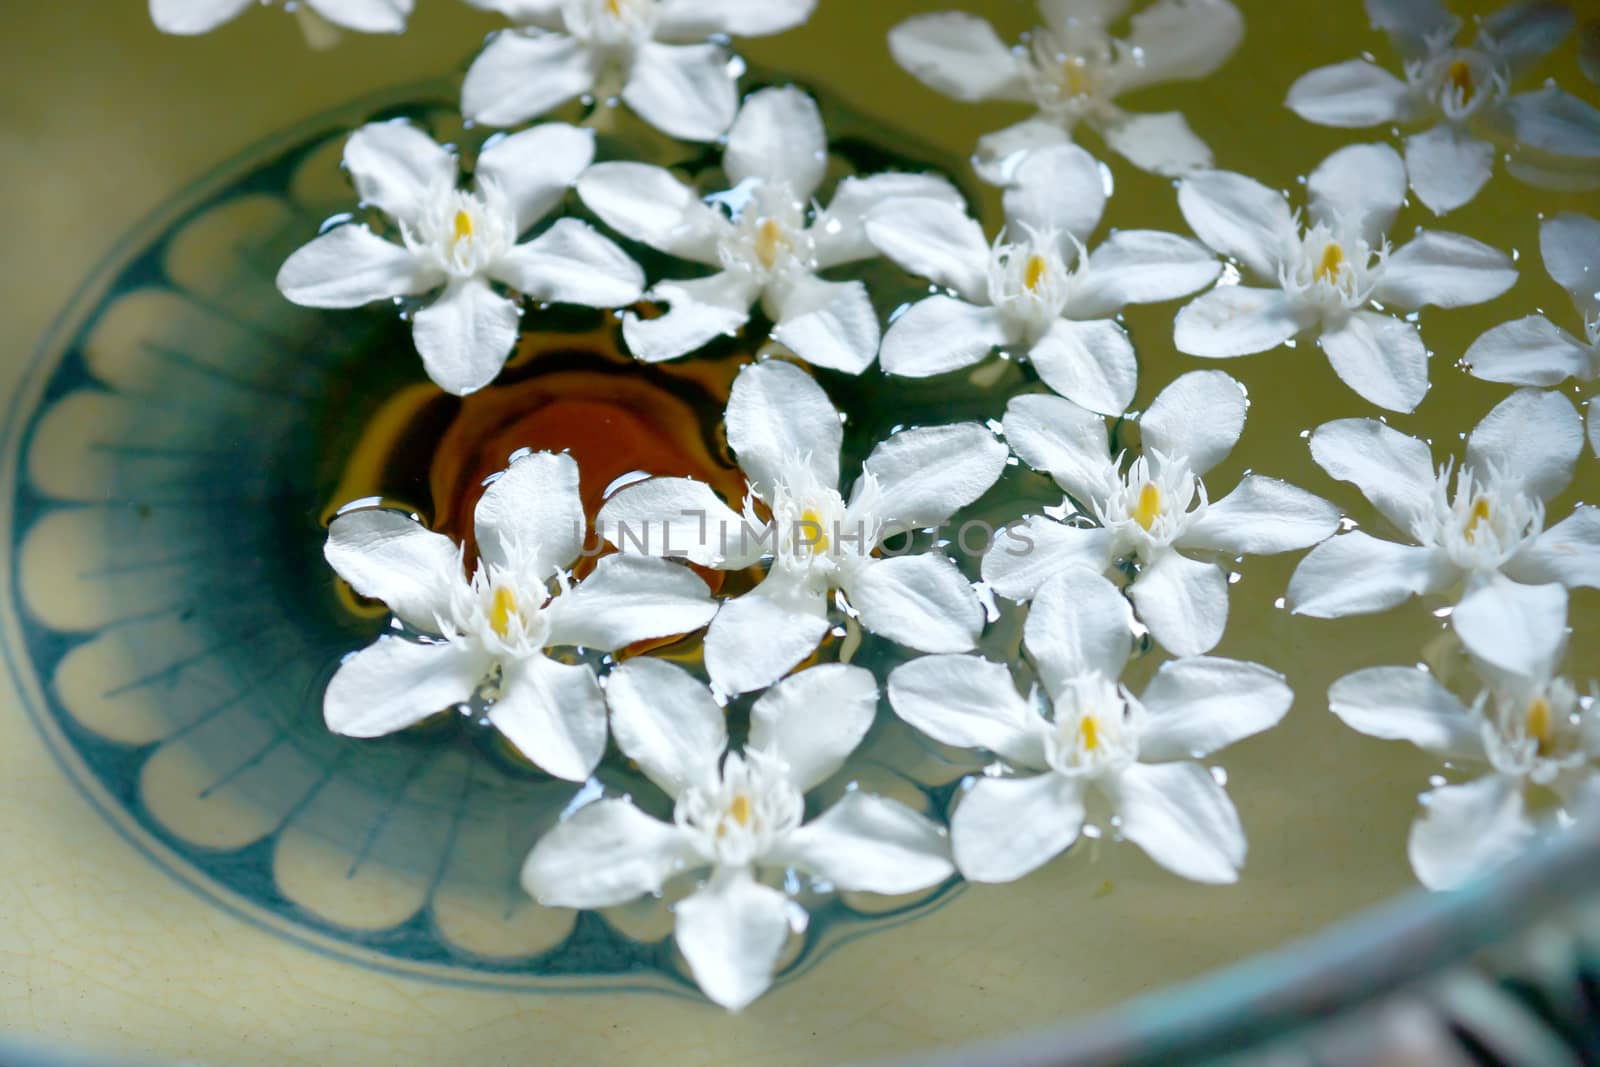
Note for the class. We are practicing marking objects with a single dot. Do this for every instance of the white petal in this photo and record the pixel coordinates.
(1527, 31)
(1570, 245)
(1357, 574)
(779, 418)
(1530, 351)
(531, 518)
(1406, 704)
(465, 335)
(627, 599)
(1180, 40)
(921, 601)
(1363, 184)
(929, 473)
(814, 719)
(519, 76)
(1380, 357)
(607, 853)
(840, 233)
(1183, 601)
(865, 843)
(688, 20)
(732, 933)
(934, 239)
(1196, 419)
(778, 137)
(394, 683)
(349, 266)
(648, 204)
(1070, 443)
(1532, 436)
(684, 90)
(1090, 363)
(1199, 705)
(553, 713)
(1235, 320)
(571, 263)
(1468, 830)
(1410, 23)
(1182, 819)
(1446, 270)
(666, 721)
(1000, 153)
(1005, 828)
(1554, 121)
(827, 324)
(1029, 552)
(1260, 517)
(365, 16)
(546, 13)
(677, 517)
(968, 702)
(1057, 188)
(1141, 267)
(1447, 167)
(1594, 428)
(394, 166)
(1350, 95)
(1161, 144)
(1079, 624)
(757, 638)
(1391, 469)
(389, 556)
(959, 55)
(701, 310)
(1238, 217)
(535, 168)
(1568, 552)
(193, 17)
(941, 334)
(1514, 627)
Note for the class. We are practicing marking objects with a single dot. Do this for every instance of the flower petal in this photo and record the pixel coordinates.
(394, 683)
(1182, 819)
(778, 417)
(1196, 419)
(1447, 167)
(1199, 705)
(1004, 828)
(349, 266)
(1141, 267)
(701, 310)
(1235, 320)
(1540, 460)
(678, 518)
(545, 13)
(1468, 830)
(1183, 601)
(732, 933)
(534, 169)
(1000, 153)
(521, 75)
(1514, 627)
(827, 324)
(627, 599)
(1394, 471)
(1260, 517)
(969, 702)
(921, 601)
(1348, 95)
(1570, 245)
(1524, 33)
(530, 519)
(649, 205)
(934, 239)
(1161, 144)
(553, 713)
(365, 16)
(927, 474)
(1057, 188)
(571, 263)
(666, 721)
(1380, 357)
(757, 638)
(1446, 270)
(394, 166)
(1090, 363)
(1079, 624)
(1238, 217)
(941, 334)
(688, 20)
(390, 556)
(1364, 184)
(1180, 40)
(866, 843)
(1030, 551)
(959, 55)
(465, 335)
(778, 137)
(814, 719)
(1357, 574)
(193, 17)
(1568, 552)
(840, 233)
(686, 91)
(1411, 23)
(607, 853)
(1406, 704)
(1550, 120)
(1070, 443)
(1530, 351)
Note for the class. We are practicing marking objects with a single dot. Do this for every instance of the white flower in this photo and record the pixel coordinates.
(1535, 351)
(462, 241)
(653, 53)
(776, 156)
(1148, 517)
(491, 635)
(787, 436)
(1461, 99)
(1527, 724)
(1466, 523)
(1072, 70)
(1094, 733)
(317, 17)
(1036, 290)
(1325, 276)
(736, 814)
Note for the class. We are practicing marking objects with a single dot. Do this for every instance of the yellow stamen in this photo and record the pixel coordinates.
(463, 226)
(1539, 722)
(1089, 730)
(1033, 274)
(1149, 506)
(1076, 73)
(1480, 513)
(1460, 78)
(770, 240)
(739, 810)
(1332, 260)
(502, 611)
(614, 8)
(813, 534)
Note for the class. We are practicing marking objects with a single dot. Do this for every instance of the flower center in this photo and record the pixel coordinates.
(1479, 514)
(1030, 282)
(1076, 77)
(462, 227)
(1096, 726)
(771, 241)
(1459, 76)
(1479, 521)
(1332, 260)
(1539, 723)
(738, 811)
(739, 814)
(1089, 733)
(1155, 503)
(812, 533)
(1037, 270)
(1335, 268)
(1148, 508)
(502, 611)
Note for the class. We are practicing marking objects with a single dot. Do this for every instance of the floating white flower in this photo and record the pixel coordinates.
(655, 54)
(1461, 98)
(1534, 350)
(461, 241)
(776, 156)
(490, 636)
(1037, 290)
(1325, 276)
(737, 815)
(1072, 70)
(1093, 734)
(1527, 724)
(787, 437)
(318, 18)
(1467, 523)
(1149, 514)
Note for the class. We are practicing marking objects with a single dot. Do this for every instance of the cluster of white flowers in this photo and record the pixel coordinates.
(544, 647)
